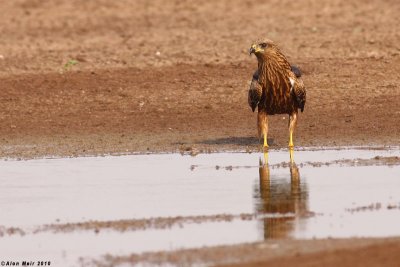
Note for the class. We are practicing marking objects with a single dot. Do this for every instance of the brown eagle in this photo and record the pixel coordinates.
(276, 88)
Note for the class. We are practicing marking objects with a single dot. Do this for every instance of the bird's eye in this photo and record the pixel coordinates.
(263, 45)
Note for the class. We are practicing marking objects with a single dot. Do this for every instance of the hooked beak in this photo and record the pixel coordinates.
(253, 49)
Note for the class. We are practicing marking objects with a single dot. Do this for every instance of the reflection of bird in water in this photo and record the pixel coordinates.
(281, 197)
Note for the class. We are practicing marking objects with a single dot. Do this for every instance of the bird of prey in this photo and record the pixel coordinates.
(276, 88)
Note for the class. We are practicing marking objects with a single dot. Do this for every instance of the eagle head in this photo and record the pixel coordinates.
(261, 47)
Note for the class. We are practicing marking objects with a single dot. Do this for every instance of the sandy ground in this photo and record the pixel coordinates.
(101, 77)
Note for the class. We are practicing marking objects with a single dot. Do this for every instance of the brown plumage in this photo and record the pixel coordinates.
(276, 87)
(255, 91)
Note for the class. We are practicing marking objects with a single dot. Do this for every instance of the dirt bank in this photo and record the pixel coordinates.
(148, 81)
(185, 107)
(329, 252)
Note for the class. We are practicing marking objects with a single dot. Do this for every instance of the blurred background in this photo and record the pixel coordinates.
(43, 35)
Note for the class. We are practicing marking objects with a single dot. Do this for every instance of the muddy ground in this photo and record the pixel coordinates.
(100, 77)
(310, 253)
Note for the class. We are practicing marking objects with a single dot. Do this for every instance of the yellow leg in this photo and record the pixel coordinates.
(292, 125)
(265, 141)
(291, 145)
(262, 121)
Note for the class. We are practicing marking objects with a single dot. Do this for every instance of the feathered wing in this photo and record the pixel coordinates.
(296, 70)
(299, 92)
(255, 92)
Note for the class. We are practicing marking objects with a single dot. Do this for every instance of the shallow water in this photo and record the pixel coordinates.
(286, 201)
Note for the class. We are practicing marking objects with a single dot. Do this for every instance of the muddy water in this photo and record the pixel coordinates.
(326, 193)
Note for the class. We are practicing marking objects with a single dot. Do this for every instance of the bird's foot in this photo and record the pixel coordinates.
(291, 145)
(265, 148)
